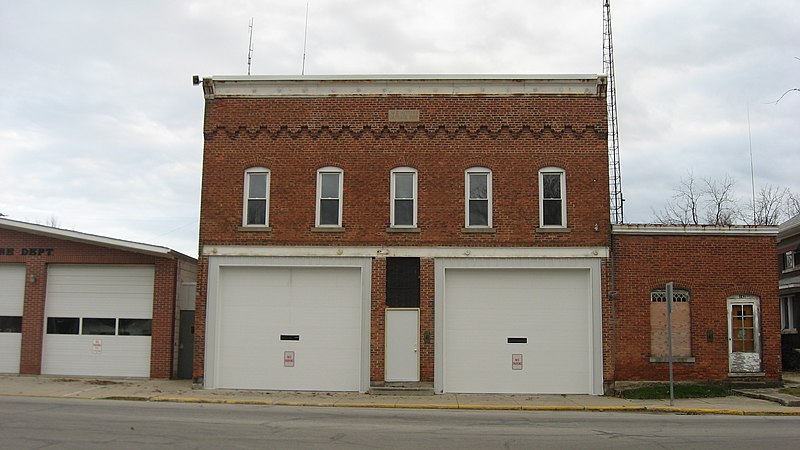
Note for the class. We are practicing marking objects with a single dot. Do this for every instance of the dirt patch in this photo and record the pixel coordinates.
(104, 382)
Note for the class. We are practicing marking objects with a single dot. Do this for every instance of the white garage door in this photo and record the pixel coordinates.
(289, 328)
(98, 320)
(517, 331)
(12, 294)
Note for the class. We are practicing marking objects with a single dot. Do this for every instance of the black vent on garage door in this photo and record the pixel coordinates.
(402, 282)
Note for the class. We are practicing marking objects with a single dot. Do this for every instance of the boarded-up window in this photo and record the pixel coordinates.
(681, 324)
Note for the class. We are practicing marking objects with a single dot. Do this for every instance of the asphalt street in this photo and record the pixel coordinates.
(27, 423)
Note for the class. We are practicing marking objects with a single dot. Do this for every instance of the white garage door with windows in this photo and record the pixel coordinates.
(287, 327)
(519, 327)
(12, 294)
(98, 320)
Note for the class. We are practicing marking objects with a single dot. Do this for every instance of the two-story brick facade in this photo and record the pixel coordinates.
(452, 231)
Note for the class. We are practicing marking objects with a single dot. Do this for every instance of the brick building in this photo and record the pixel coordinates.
(789, 287)
(78, 304)
(450, 232)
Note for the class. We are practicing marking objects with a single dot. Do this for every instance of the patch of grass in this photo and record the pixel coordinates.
(661, 391)
(791, 391)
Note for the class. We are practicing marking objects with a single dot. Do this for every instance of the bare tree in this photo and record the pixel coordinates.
(714, 202)
(792, 204)
(683, 208)
(768, 208)
(721, 206)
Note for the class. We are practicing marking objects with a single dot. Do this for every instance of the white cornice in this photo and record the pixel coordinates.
(402, 85)
(416, 252)
(705, 230)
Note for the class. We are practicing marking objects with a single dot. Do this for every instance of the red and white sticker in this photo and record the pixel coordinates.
(516, 361)
(288, 359)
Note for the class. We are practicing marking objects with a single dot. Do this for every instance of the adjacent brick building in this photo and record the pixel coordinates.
(450, 232)
(789, 286)
(78, 304)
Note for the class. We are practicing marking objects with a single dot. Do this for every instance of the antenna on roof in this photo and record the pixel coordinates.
(614, 176)
(250, 47)
(305, 36)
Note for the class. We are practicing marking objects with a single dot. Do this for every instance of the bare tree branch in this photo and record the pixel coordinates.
(683, 208)
(769, 206)
(721, 207)
(792, 204)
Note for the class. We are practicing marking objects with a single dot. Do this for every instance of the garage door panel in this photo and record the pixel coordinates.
(321, 305)
(97, 355)
(98, 291)
(12, 295)
(549, 307)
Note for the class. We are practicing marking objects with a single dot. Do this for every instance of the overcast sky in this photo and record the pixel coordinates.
(101, 128)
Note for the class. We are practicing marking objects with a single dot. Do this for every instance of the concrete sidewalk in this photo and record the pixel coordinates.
(181, 391)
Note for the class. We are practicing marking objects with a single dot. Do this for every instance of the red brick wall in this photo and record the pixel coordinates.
(712, 268)
(70, 252)
(515, 137)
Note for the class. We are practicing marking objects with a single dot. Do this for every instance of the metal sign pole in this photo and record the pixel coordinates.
(669, 344)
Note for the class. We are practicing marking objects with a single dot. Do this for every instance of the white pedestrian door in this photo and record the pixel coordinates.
(744, 334)
(402, 345)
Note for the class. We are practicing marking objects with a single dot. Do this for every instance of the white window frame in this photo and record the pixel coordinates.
(789, 261)
(320, 173)
(247, 173)
(563, 175)
(394, 198)
(787, 314)
(488, 173)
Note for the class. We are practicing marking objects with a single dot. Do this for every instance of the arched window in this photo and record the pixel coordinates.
(478, 197)
(330, 181)
(552, 198)
(256, 197)
(681, 325)
(404, 197)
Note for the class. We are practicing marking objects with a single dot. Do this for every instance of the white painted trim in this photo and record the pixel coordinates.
(595, 319)
(393, 185)
(563, 186)
(478, 171)
(705, 230)
(320, 172)
(246, 195)
(402, 85)
(412, 252)
(76, 236)
(214, 309)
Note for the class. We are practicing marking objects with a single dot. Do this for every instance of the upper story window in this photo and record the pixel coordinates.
(404, 197)
(329, 197)
(789, 260)
(552, 198)
(256, 198)
(478, 192)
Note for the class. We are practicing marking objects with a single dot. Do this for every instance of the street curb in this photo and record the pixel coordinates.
(466, 407)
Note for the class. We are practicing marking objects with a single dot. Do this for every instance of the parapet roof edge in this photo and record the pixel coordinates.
(408, 77)
(672, 230)
(103, 241)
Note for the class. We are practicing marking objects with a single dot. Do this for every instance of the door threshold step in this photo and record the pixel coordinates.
(408, 389)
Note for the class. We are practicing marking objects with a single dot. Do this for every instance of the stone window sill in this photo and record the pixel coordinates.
(257, 229)
(476, 230)
(402, 230)
(327, 229)
(553, 230)
(789, 331)
(675, 359)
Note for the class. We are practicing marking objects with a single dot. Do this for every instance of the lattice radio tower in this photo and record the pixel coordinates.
(614, 177)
